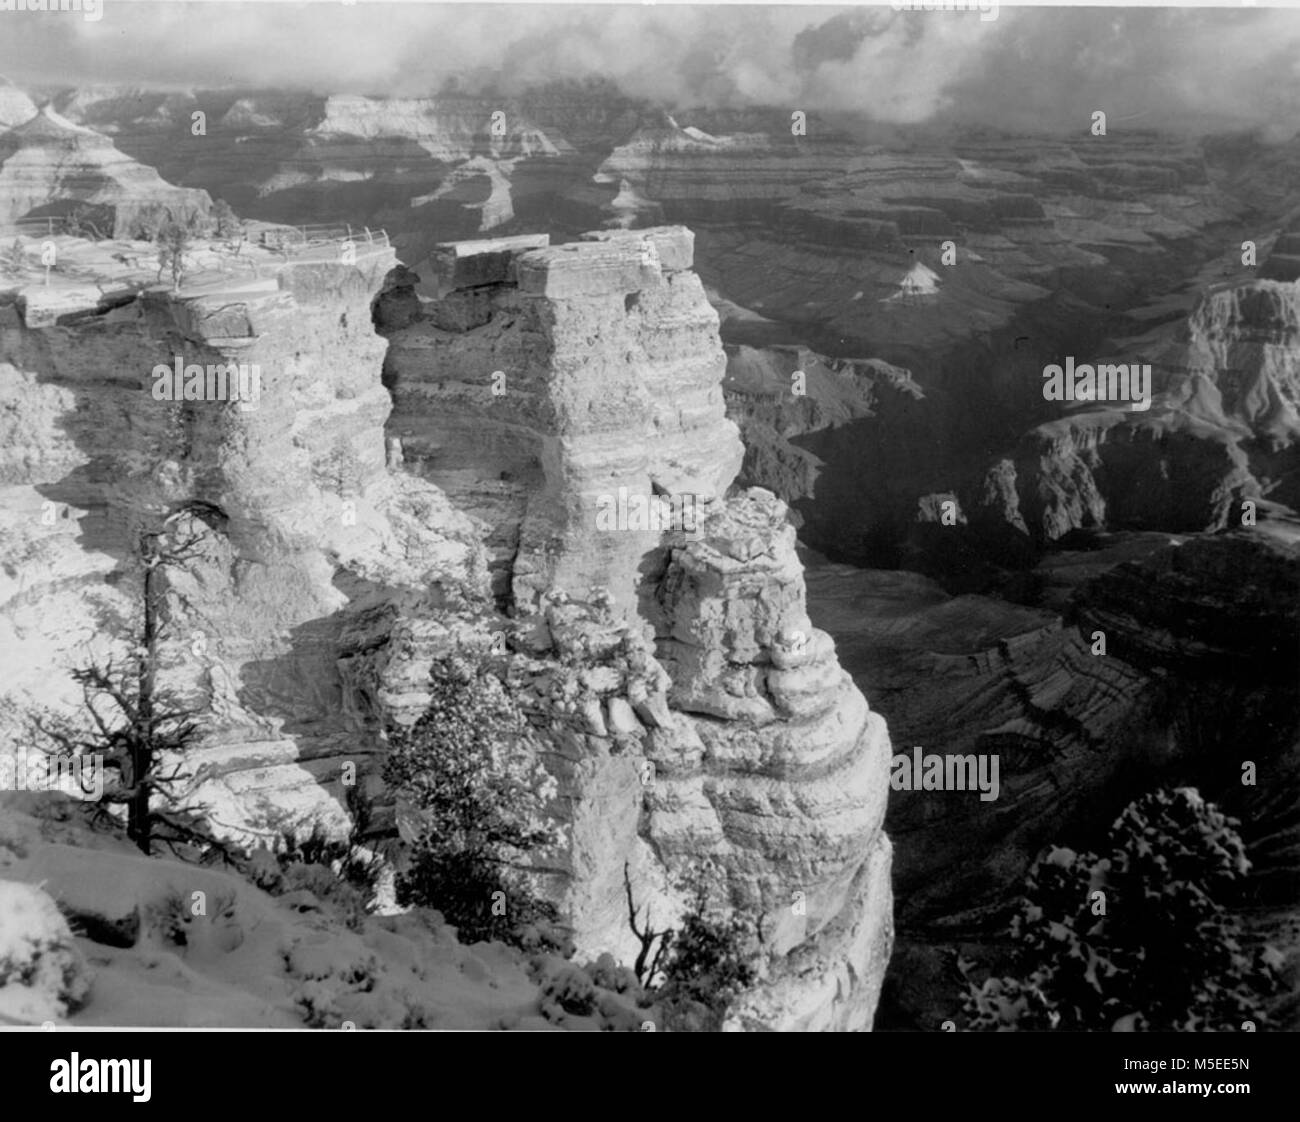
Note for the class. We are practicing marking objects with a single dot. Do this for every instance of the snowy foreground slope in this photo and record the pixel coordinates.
(137, 955)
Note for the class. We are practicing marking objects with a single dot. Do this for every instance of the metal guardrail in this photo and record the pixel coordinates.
(294, 241)
(290, 241)
(300, 238)
(297, 238)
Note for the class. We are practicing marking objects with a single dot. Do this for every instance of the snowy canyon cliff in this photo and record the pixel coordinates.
(380, 508)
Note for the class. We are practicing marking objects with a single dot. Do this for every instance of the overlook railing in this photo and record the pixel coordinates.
(45, 227)
(212, 260)
(300, 238)
(295, 239)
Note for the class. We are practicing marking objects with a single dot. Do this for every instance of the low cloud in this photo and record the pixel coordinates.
(1030, 68)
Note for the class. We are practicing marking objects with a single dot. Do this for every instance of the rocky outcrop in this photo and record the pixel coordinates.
(15, 106)
(784, 777)
(970, 261)
(1243, 361)
(48, 163)
(694, 687)
(687, 174)
(1221, 430)
(449, 129)
(557, 413)
(1023, 215)
(303, 519)
(568, 396)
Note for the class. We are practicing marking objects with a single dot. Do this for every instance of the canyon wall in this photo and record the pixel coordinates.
(1027, 249)
(538, 472)
(703, 702)
(304, 524)
(48, 164)
(1150, 661)
(532, 403)
(1222, 429)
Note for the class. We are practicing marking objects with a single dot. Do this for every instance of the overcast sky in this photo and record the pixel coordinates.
(1157, 67)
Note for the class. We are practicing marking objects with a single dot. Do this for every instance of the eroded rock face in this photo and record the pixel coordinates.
(306, 526)
(48, 159)
(558, 393)
(788, 782)
(698, 713)
(777, 394)
(659, 643)
(1221, 430)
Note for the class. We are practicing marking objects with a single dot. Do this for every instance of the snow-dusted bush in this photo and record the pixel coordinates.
(607, 973)
(42, 975)
(1145, 936)
(568, 988)
(473, 778)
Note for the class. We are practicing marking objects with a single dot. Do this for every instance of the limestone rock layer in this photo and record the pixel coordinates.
(708, 680)
(562, 399)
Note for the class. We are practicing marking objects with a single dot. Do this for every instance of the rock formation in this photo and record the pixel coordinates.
(48, 163)
(778, 394)
(706, 669)
(1148, 661)
(552, 382)
(15, 106)
(1222, 426)
(548, 437)
(303, 518)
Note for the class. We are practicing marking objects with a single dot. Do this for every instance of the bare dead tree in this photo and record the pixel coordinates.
(227, 222)
(15, 261)
(645, 967)
(173, 241)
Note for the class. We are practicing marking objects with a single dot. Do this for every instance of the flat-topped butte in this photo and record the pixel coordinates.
(604, 262)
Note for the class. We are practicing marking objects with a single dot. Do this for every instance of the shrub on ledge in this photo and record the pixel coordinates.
(478, 794)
